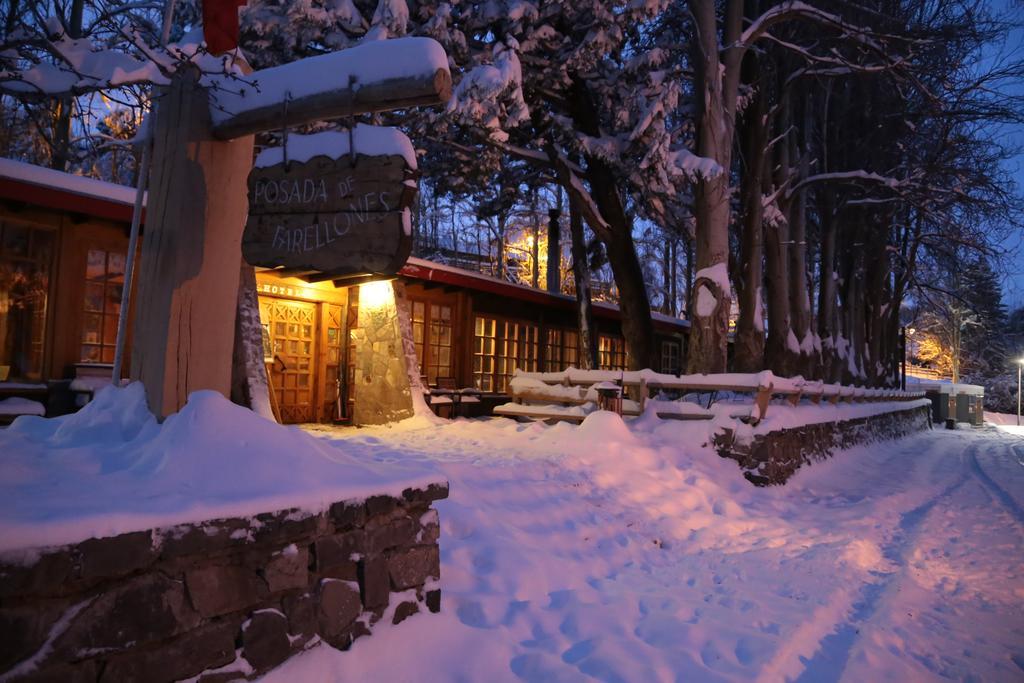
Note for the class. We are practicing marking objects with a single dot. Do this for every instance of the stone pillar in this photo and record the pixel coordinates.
(381, 388)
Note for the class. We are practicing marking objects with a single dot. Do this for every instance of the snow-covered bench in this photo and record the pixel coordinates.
(15, 406)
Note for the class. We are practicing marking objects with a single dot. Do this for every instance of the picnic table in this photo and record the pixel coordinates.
(448, 393)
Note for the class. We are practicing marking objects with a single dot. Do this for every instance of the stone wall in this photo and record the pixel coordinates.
(221, 600)
(772, 458)
(381, 388)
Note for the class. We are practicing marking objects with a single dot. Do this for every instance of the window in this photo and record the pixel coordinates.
(562, 349)
(611, 353)
(670, 357)
(500, 347)
(553, 351)
(104, 281)
(432, 335)
(485, 344)
(26, 256)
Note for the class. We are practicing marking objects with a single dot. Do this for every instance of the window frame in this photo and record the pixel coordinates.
(670, 348)
(45, 269)
(611, 352)
(430, 344)
(105, 349)
(510, 352)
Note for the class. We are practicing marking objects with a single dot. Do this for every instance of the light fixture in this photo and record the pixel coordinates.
(376, 294)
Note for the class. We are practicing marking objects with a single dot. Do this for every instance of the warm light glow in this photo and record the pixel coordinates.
(376, 294)
(932, 350)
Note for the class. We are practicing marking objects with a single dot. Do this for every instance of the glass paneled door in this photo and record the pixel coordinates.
(292, 334)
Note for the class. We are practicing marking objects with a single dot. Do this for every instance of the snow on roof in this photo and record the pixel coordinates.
(944, 386)
(111, 469)
(365, 64)
(369, 140)
(59, 180)
(377, 140)
(415, 266)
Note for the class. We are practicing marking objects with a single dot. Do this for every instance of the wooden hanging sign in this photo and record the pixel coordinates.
(337, 214)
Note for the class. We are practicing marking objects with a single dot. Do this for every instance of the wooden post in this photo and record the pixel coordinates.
(761, 401)
(189, 269)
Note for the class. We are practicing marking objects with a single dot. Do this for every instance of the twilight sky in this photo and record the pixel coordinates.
(1012, 264)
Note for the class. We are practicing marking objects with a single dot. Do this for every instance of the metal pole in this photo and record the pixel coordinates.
(903, 364)
(1020, 366)
(129, 271)
(133, 238)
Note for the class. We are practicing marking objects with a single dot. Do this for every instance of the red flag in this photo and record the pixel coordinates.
(220, 24)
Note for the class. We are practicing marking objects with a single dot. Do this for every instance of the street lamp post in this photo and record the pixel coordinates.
(1020, 366)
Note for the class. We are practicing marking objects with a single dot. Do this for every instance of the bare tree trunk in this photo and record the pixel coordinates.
(782, 348)
(778, 355)
(554, 279)
(535, 247)
(666, 278)
(827, 288)
(60, 148)
(749, 344)
(800, 303)
(674, 279)
(717, 81)
(617, 236)
(249, 386)
(581, 275)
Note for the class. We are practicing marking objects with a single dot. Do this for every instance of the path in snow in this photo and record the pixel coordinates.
(634, 554)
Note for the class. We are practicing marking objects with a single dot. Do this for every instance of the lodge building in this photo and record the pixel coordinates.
(63, 248)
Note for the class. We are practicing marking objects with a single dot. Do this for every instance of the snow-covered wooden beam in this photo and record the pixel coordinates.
(377, 76)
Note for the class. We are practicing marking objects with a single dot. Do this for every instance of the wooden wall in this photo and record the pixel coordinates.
(75, 235)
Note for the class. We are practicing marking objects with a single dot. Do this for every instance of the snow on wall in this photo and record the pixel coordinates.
(111, 469)
(773, 451)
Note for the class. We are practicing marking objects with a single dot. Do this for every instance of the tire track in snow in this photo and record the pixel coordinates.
(998, 492)
(834, 649)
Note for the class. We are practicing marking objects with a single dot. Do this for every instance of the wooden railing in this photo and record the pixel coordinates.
(552, 395)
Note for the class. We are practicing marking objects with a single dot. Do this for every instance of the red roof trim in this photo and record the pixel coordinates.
(65, 200)
(482, 283)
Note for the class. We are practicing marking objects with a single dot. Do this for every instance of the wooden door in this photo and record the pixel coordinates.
(333, 343)
(293, 332)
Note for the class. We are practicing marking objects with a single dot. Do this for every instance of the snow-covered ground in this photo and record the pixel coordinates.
(111, 469)
(615, 553)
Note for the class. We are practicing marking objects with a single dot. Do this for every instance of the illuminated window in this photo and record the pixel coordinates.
(484, 347)
(611, 353)
(500, 347)
(101, 303)
(670, 357)
(553, 350)
(26, 255)
(432, 335)
(562, 349)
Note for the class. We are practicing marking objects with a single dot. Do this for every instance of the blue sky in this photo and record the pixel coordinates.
(1012, 263)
